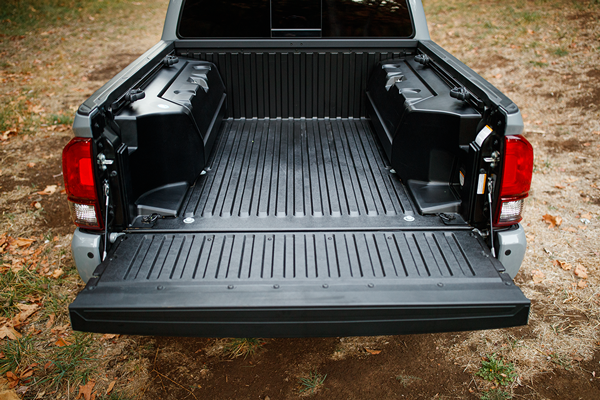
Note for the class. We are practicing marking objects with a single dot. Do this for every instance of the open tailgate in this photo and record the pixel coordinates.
(292, 284)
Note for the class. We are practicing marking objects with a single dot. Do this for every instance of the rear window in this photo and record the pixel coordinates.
(295, 18)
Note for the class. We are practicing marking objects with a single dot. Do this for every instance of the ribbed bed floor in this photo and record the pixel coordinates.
(283, 168)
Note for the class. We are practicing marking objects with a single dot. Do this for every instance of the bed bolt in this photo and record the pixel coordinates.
(440, 284)
(371, 285)
(507, 283)
(409, 218)
(325, 286)
(230, 287)
(160, 287)
(188, 220)
(276, 286)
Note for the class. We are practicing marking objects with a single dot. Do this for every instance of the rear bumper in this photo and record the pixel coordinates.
(333, 309)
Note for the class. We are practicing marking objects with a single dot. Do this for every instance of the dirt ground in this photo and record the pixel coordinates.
(545, 55)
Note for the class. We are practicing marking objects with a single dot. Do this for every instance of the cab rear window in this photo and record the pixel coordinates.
(295, 18)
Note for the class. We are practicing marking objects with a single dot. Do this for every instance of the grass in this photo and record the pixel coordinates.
(312, 383)
(72, 363)
(495, 394)
(243, 347)
(497, 371)
(18, 353)
(406, 380)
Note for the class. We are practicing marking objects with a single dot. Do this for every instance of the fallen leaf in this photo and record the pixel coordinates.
(61, 342)
(552, 220)
(26, 311)
(586, 216)
(110, 387)
(537, 276)
(9, 395)
(48, 364)
(374, 352)
(31, 165)
(50, 321)
(86, 390)
(13, 380)
(8, 331)
(50, 189)
(57, 273)
(562, 264)
(571, 229)
(108, 336)
(26, 374)
(581, 284)
(581, 271)
(558, 186)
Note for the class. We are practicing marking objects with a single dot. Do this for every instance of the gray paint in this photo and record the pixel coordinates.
(416, 6)
(83, 245)
(514, 124)
(82, 125)
(512, 241)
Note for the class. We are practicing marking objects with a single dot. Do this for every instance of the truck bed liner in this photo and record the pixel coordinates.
(299, 229)
(297, 174)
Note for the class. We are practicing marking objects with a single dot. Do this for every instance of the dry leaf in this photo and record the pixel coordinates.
(587, 216)
(9, 395)
(50, 189)
(110, 387)
(581, 271)
(26, 311)
(552, 220)
(581, 284)
(57, 273)
(571, 229)
(31, 165)
(374, 352)
(50, 321)
(8, 331)
(537, 276)
(108, 336)
(559, 186)
(562, 264)
(86, 390)
(61, 342)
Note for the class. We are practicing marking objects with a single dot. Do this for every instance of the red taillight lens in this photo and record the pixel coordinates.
(80, 184)
(516, 180)
(518, 166)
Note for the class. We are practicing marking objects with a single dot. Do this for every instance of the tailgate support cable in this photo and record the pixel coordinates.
(106, 193)
(490, 185)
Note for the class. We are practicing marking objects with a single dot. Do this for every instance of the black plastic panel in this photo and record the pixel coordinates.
(311, 83)
(298, 284)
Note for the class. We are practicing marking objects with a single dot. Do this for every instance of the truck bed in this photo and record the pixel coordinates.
(298, 228)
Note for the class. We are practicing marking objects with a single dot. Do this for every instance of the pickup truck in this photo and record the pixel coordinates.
(293, 168)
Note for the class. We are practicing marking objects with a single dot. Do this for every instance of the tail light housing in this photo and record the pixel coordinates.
(517, 172)
(80, 184)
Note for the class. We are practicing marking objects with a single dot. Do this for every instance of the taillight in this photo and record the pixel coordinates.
(516, 180)
(80, 184)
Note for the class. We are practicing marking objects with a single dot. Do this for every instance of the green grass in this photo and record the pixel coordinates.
(538, 63)
(16, 287)
(312, 383)
(495, 394)
(18, 353)
(243, 347)
(406, 380)
(71, 364)
(560, 51)
(62, 119)
(497, 371)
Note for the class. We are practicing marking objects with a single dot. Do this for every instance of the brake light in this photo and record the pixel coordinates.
(80, 184)
(516, 180)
